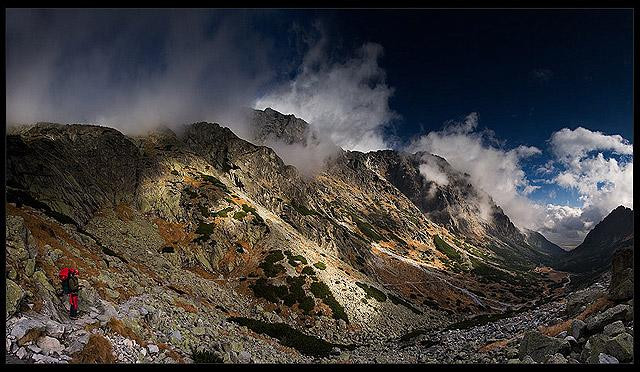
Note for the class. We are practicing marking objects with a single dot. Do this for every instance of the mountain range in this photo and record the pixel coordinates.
(218, 236)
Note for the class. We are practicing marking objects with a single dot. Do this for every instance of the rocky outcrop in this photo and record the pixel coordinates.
(621, 287)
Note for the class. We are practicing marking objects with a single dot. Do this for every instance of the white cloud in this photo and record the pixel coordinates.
(602, 182)
(348, 102)
(492, 169)
(432, 172)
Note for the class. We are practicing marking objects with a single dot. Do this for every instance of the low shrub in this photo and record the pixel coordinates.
(320, 265)
(205, 356)
(373, 292)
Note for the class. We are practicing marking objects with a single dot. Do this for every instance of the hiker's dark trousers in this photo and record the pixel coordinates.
(73, 302)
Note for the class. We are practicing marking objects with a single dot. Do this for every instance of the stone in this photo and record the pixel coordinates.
(175, 336)
(21, 353)
(614, 328)
(24, 325)
(562, 334)
(607, 359)
(153, 349)
(577, 328)
(576, 301)
(528, 360)
(594, 347)
(42, 282)
(199, 331)
(596, 323)
(621, 347)
(29, 267)
(49, 345)
(572, 341)
(557, 358)
(244, 357)
(621, 286)
(34, 348)
(539, 347)
(8, 342)
(13, 296)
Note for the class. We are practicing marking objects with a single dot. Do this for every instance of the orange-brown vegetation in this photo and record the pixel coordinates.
(598, 305)
(97, 350)
(120, 328)
(187, 307)
(124, 212)
(171, 353)
(174, 234)
(192, 182)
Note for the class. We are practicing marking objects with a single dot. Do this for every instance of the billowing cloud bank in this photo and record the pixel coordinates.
(346, 101)
(598, 166)
(132, 69)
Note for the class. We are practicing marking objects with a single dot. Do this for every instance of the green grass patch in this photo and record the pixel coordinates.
(445, 248)
(303, 210)
(399, 301)
(223, 212)
(320, 265)
(272, 293)
(239, 215)
(373, 292)
(287, 336)
(295, 260)
(269, 265)
(214, 181)
(204, 228)
(205, 356)
(247, 209)
(308, 270)
(368, 230)
(321, 290)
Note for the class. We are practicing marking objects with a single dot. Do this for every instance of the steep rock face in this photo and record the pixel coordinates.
(594, 255)
(537, 240)
(74, 169)
(270, 124)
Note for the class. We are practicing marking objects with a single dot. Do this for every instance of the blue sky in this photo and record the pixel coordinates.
(368, 79)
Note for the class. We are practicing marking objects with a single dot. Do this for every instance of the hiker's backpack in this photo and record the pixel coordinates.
(73, 283)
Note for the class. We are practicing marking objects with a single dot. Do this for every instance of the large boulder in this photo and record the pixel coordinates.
(621, 347)
(14, 295)
(579, 300)
(597, 322)
(540, 347)
(621, 287)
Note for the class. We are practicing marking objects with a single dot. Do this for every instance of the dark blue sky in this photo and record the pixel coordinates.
(526, 72)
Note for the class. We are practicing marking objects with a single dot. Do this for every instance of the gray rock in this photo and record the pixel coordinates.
(528, 360)
(596, 323)
(577, 328)
(24, 325)
(153, 348)
(244, 357)
(614, 328)
(49, 345)
(607, 359)
(621, 287)
(539, 347)
(21, 353)
(621, 347)
(13, 296)
(577, 300)
(557, 358)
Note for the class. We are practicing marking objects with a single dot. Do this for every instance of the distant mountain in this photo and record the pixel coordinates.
(537, 240)
(594, 254)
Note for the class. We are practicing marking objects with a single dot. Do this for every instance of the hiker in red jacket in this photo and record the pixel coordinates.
(69, 278)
